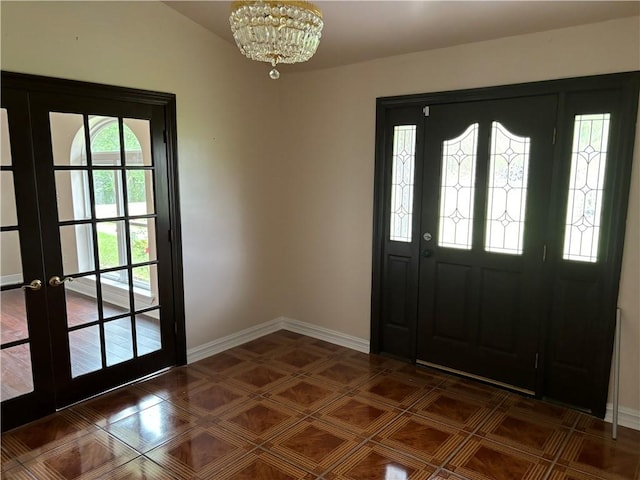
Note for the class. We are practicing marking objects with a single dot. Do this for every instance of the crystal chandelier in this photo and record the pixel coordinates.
(276, 31)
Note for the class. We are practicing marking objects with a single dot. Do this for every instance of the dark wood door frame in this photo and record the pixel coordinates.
(626, 85)
(164, 105)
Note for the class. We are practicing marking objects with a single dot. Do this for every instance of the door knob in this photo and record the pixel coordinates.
(34, 285)
(56, 281)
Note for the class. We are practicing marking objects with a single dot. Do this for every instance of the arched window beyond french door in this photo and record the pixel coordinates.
(499, 227)
(109, 192)
(91, 271)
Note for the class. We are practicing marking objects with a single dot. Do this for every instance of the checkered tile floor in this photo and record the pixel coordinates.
(287, 406)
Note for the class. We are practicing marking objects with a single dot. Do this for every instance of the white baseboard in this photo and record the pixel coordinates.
(627, 417)
(281, 323)
(11, 279)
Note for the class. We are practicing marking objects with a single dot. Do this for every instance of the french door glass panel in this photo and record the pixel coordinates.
(107, 226)
(15, 353)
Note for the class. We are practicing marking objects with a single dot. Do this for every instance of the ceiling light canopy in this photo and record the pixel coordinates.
(276, 31)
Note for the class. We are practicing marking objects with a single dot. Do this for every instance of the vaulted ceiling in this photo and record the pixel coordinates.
(359, 30)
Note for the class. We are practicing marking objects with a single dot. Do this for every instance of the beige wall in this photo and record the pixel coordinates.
(330, 117)
(230, 196)
(269, 229)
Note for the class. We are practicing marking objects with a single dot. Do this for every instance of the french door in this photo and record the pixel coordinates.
(487, 168)
(498, 231)
(90, 266)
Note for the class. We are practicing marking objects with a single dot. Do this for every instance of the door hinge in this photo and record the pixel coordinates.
(536, 365)
(425, 110)
(544, 253)
(554, 135)
(175, 328)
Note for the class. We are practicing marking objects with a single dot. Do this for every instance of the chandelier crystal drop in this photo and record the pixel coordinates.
(276, 31)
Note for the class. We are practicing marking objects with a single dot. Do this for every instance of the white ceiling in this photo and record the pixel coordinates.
(359, 30)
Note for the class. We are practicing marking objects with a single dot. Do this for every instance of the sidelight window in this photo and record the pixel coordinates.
(404, 152)
(586, 187)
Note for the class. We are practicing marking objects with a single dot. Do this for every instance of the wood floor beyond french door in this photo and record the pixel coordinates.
(91, 292)
(498, 232)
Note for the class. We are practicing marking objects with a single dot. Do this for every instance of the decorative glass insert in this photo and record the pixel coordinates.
(506, 190)
(404, 152)
(457, 187)
(586, 187)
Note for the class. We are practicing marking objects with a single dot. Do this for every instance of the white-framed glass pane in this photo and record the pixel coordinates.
(72, 195)
(586, 187)
(118, 340)
(11, 258)
(506, 191)
(403, 166)
(5, 144)
(457, 187)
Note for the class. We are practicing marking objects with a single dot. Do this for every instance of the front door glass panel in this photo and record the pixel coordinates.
(506, 191)
(457, 187)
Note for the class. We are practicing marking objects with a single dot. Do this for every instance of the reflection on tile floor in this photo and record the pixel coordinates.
(289, 407)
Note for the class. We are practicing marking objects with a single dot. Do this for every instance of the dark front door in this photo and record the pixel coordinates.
(487, 169)
(97, 229)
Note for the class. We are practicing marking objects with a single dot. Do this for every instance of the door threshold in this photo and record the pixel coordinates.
(476, 377)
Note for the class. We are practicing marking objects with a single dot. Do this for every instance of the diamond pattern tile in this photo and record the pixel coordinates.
(140, 468)
(426, 439)
(342, 372)
(374, 462)
(393, 389)
(286, 406)
(152, 426)
(601, 457)
(531, 434)
(200, 452)
(358, 414)
(87, 457)
(110, 408)
(314, 444)
(45, 434)
(484, 460)
(461, 412)
(259, 420)
(260, 465)
(304, 394)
